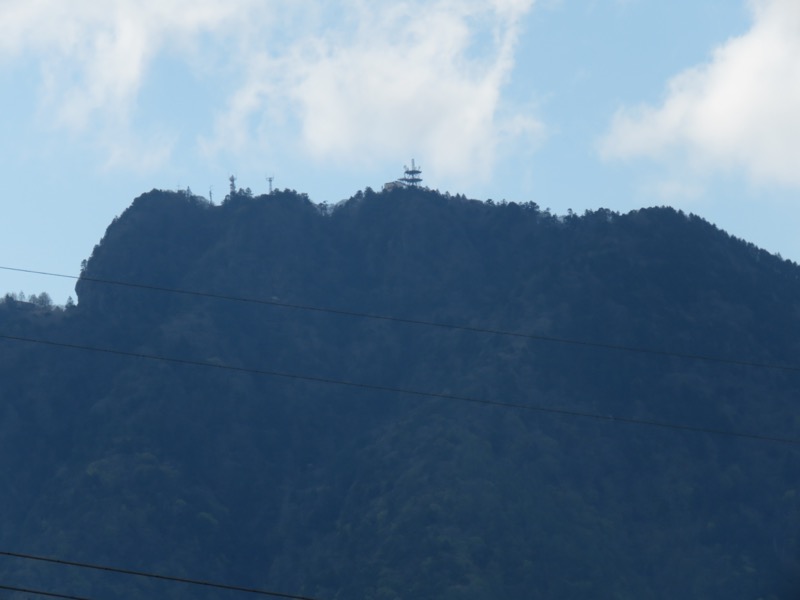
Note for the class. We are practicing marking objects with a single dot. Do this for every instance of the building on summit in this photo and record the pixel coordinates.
(411, 178)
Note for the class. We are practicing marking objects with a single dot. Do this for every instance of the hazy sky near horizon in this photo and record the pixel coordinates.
(569, 103)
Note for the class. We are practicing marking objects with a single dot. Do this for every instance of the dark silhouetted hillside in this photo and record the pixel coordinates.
(341, 492)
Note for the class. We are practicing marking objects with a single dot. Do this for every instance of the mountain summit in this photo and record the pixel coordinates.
(408, 395)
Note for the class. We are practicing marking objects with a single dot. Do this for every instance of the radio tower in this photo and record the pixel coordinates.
(412, 176)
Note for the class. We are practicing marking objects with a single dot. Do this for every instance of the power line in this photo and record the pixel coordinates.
(409, 391)
(365, 315)
(197, 582)
(41, 593)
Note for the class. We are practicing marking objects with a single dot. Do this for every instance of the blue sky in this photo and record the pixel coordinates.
(572, 104)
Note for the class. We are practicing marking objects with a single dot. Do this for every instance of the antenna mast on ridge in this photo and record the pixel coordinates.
(269, 179)
(412, 176)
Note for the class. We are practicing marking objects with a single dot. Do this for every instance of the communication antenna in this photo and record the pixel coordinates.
(211, 194)
(412, 176)
(269, 179)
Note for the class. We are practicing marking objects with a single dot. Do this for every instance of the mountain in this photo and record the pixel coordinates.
(606, 406)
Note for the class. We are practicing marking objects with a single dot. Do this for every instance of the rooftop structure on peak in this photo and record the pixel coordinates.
(412, 175)
(411, 178)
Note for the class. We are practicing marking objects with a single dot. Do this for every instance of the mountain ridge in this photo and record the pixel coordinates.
(336, 492)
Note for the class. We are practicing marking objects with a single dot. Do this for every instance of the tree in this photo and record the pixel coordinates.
(43, 300)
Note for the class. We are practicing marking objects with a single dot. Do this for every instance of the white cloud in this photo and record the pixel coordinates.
(346, 79)
(93, 58)
(738, 111)
(94, 55)
(390, 80)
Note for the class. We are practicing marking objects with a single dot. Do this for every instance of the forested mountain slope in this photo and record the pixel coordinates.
(297, 485)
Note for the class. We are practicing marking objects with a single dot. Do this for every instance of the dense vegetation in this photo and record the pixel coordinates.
(340, 492)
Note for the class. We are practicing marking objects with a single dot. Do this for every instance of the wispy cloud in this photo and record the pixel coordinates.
(94, 56)
(388, 80)
(342, 79)
(737, 111)
(674, 190)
